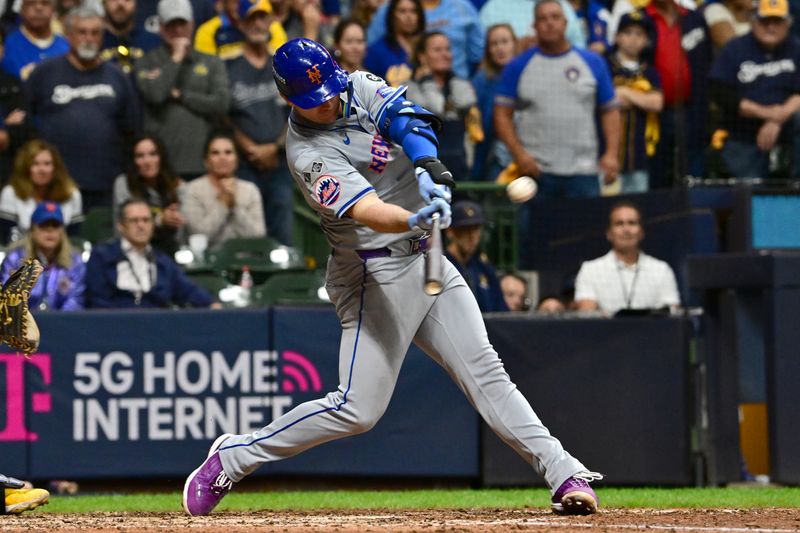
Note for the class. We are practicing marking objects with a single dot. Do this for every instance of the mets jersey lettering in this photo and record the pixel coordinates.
(380, 154)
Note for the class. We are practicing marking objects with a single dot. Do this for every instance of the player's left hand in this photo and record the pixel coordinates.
(423, 219)
(437, 170)
(430, 190)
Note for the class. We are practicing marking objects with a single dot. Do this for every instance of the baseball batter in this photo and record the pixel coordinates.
(365, 159)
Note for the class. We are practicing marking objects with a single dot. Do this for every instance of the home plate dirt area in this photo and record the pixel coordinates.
(676, 520)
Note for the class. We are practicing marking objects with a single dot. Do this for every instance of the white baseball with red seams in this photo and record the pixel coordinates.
(522, 189)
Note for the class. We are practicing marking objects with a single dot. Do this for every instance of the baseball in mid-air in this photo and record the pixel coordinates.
(521, 189)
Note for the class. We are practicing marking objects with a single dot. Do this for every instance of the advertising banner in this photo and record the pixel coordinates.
(138, 394)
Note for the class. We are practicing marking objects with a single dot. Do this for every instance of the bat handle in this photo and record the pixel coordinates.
(433, 259)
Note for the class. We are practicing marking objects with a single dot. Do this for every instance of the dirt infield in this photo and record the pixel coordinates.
(677, 520)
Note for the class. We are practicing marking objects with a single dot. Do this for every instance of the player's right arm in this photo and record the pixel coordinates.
(390, 218)
(333, 187)
(380, 216)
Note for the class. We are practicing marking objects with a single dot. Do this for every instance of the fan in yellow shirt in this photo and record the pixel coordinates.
(221, 35)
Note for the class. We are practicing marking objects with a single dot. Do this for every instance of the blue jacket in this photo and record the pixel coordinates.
(171, 287)
(482, 279)
(62, 289)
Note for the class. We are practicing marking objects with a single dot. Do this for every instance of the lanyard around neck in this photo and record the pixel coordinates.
(138, 294)
(626, 296)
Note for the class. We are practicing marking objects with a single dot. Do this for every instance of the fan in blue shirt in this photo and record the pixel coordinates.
(34, 41)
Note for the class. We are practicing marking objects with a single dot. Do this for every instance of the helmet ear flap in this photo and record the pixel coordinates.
(306, 73)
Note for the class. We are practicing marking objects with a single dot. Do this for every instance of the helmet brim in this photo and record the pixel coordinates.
(332, 86)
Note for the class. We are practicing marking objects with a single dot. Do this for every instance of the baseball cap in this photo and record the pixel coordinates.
(248, 7)
(772, 9)
(169, 10)
(467, 213)
(631, 19)
(46, 212)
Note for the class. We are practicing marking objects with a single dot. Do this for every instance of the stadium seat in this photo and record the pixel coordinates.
(291, 288)
(264, 257)
(213, 283)
(82, 246)
(98, 225)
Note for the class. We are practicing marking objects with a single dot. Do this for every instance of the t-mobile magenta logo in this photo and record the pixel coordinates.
(16, 398)
(299, 374)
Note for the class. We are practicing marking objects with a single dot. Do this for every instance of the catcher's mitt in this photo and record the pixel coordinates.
(18, 329)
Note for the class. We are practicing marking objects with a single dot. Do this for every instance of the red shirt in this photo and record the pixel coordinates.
(671, 61)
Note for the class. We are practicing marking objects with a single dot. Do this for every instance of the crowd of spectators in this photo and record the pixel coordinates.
(107, 101)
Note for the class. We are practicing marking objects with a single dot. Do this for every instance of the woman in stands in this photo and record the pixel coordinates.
(151, 179)
(390, 56)
(62, 285)
(39, 175)
(491, 155)
(219, 205)
(350, 45)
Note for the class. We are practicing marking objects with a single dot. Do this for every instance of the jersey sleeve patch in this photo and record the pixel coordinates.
(313, 171)
(327, 190)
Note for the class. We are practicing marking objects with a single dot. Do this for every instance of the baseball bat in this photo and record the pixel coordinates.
(433, 260)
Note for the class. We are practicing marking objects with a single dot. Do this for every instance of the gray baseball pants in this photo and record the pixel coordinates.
(383, 310)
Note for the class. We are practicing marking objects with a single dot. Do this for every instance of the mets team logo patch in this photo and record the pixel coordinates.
(327, 190)
(314, 74)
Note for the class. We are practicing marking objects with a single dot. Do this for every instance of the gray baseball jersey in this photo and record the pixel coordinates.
(382, 307)
(336, 165)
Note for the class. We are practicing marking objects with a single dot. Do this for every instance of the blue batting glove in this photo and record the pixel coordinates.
(423, 219)
(430, 190)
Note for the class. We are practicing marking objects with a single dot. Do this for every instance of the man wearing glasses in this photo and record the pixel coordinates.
(128, 272)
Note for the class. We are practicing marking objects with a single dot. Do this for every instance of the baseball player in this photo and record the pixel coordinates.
(366, 161)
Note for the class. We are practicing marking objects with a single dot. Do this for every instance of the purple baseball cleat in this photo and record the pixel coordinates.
(575, 496)
(206, 486)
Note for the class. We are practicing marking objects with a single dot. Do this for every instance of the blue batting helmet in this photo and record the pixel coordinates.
(306, 74)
